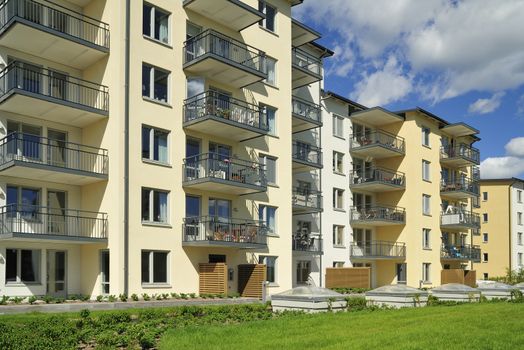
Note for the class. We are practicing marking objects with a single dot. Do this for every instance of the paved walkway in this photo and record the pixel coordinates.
(118, 305)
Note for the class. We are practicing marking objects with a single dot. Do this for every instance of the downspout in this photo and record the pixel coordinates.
(126, 147)
(509, 226)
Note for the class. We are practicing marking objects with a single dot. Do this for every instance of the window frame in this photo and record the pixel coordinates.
(19, 280)
(151, 220)
(338, 159)
(151, 266)
(338, 121)
(263, 259)
(426, 272)
(151, 97)
(519, 196)
(485, 217)
(426, 238)
(426, 132)
(264, 158)
(485, 237)
(265, 108)
(339, 237)
(274, 62)
(152, 145)
(519, 218)
(338, 193)
(262, 7)
(519, 238)
(263, 216)
(152, 23)
(300, 268)
(485, 257)
(426, 200)
(426, 170)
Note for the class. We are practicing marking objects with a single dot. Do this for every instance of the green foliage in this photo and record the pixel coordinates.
(183, 296)
(85, 313)
(99, 298)
(165, 296)
(134, 297)
(111, 298)
(351, 290)
(4, 300)
(192, 295)
(517, 296)
(356, 303)
(32, 299)
(48, 299)
(175, 295)
(123, 297)
(17, 300)
(511, 277)
(146, 296)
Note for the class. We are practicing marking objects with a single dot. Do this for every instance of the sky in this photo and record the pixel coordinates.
(462, 60)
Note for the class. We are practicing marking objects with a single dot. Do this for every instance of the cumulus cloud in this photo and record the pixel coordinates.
(510, 165)
(515, 147)
(486, 105)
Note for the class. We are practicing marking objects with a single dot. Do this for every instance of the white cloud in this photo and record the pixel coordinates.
(342, 62)
(515, 147)
(383, 86)
(486, 105)
(511, 165)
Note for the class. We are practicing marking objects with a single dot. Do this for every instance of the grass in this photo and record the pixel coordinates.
(471, 326)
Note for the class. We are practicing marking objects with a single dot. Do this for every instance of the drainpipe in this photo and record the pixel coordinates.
(126, 148)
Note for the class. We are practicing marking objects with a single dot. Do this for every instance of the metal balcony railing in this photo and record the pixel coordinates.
(461, 252)
(459, 217)
(227, 230)
(307, 153)
(306, 110)
(466, 152)
(303, 60)
(377, 138)
(56, 18)
(306, 243)
(218, 105)
(378, 213)
(58, 86)
(378, 249)
(377, 175)
(37, 220)
(226, 48)
(307, 199)
(35, 149)
(462, 184)
(234, 170)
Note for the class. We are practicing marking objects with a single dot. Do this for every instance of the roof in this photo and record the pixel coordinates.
(296, 2)
(327, 52)
(506, 180)
(343, 99)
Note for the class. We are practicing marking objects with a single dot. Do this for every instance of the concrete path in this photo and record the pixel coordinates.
(118, 305)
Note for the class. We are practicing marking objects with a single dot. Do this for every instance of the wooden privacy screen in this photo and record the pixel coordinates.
(348, 277)
(213, 278)
(469, 278)
(250, 280)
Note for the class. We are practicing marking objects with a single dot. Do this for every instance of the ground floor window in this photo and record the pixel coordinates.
(402, 273)
(22, 266)
(426, 272)
(104, 271)
(303, 271)
(271, 267)
(154, 266)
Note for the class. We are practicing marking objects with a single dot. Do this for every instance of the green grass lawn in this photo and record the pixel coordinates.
(471, 326)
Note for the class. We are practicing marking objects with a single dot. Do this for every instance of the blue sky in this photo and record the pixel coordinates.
(460, 59)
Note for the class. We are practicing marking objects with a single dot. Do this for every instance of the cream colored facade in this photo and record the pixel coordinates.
(501, 234)
(198, 80)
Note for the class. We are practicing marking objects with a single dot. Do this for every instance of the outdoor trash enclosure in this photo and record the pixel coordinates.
(456, 292)
(397, 295)
(308, 299)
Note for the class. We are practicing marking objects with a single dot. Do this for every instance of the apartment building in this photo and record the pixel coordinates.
(501, 210)
(142, 139)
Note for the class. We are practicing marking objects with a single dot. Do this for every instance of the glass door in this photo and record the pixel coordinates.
(194, 48)
(56, 152)
(363, 241)
(193, 166)
(192, 219)
(56, 273)
(219, 161)
(56, 208)
(220, 214)
(58, 85)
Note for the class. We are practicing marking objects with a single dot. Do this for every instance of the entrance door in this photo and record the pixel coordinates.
(57, 148)
(402, 273)
(56, 207)
(56, 273)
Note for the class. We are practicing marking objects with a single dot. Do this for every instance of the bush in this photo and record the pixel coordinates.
(48, 299)
(146, 296)
(516, 296)
(17, 300)
(85, 313)
(351, 290)
(192, 295)
(4, 300)
(32, 299)
(356, 303)
(123, 297)
(111, 298)
(99, 298)
(175, 295)
(134, 297)
(165, 296)
(147, 340)
(183, 295)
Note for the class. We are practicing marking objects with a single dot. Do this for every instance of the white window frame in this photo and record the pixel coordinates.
(339, 235)
(519, 238)
(263, 259)
(265, 108)
(485, 217)
(263, 5)
(152, 267)
(274, 62)
(426, 272)
(519, 218)
(519, 259)
(152, 144)
(263, 159)
(151, 206)
(426, 238)
(263, 209)
(338, 157)
(426, 170)
(152, 23)
(19, 280)
(426, 132)
(152, 70)
(338, 199)
(519, 196)
(338, 129)
(426, 204)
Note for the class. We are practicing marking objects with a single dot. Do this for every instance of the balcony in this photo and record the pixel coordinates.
(42, 93)
(378, 216)
(377, 117)
(39, 158)
(209, 231)
(302, 34)
(376, 144)
(215, 173)
(217, 114)
(306, 69)
(458, 219)
(461, 188)
(461, 253)
(306, 115)
(378, 250)
(223, 59)
(377, 179)
(34, 223)
(306, 157)
(306, 201)
(233, 14)
(53, 32)
(303, 243)
(459, 156)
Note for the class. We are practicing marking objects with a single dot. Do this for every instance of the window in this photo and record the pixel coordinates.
(485, 275)
(519, 259)
(104, 271)
(519, 218)
(426, 204)
(270, 167)
(23, 201)
(426, 239)
(154, 266)
(268, 216)
(338, 235)
(155, 83)
(271, 267)
(519, 196)
(484, 196)
(303, 271)
(155, 23)
(338, 198)
(22, 266)
(425, 136)
(269, 22)
(485, 257)
(271, 114)
(426, 272)
(519, 238)
(485, 237)
(338, 264)
(270, 68)
(338, 162)
(338, 126)
(154, 144)
(154, 206)
(485, 217)
(425, 170)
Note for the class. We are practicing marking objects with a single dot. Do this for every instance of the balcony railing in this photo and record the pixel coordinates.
(378, 213)
(44, 221)
(225, 48)
(58, 86)
(305, 243)
(377, 138)
(462, 252)
(306, 153)
(378, 249)
(459, 217)
(468, 153)
(377, 175)
(307, 199)
(224, 230)
(307, 110)
(55, 18)
(303, 60)
(34, 149)
(462, 184)
(215, 166)
(221, 106)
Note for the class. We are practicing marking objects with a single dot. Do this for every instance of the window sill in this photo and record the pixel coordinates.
(156, 162)
(339, 246)
(426, 146)
(274, 235)
(268, 31)
(23, 284)
(427, 282)
(426, 180)
(272, 285)
(339, 137)
(156, 285)
(158, 102)
(428, 215)
(156, 41)
(426, 248)
(273, 185)
(339, 210)
(156, 224)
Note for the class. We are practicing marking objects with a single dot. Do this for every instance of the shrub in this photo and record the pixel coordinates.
(123, 297)
(48, 299)
(516, 296)
(183, 295)
(147, 340)
(111, 298)
(146, 296)
(17, 300)
(32, 299)
(165, 296)
(99, 298)
(134, 297)
(356, 303)
(175, 295)
(59, 300)
(4, 300)
(192, 295)
(158, 297)
(85, 313)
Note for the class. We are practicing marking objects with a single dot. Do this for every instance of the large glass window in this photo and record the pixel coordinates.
(303, 271)
(338, 198)
(338, 126)
(338, 162)
(154, 206)
(271, 267)
(154, 266)
(155, 83)
(268, 215)
(22, 266)
(25, 201)
(271, 70)
(155, 23)
(155, 144)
